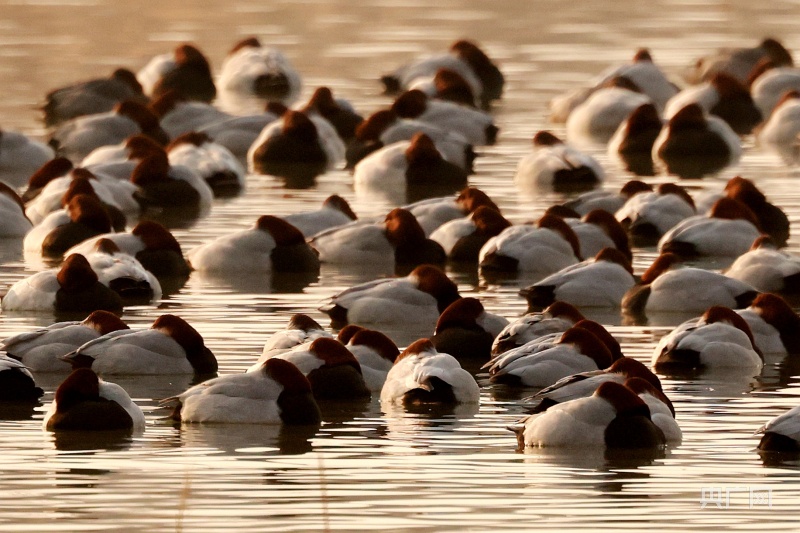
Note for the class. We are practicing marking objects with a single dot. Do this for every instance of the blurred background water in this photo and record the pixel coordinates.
(366, 469)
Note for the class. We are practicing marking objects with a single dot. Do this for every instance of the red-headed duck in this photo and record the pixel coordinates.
(597, 118)
(633, 141)
(466, 330)
(272, 244)
(40, 349)
(82, 218)
(301, 329)
(211, 161)
(647, 216)
(185, 71)
(334, 372)
(738, 62)
(463, 238)
(722, 96)
(544, 248)
(278, 393)
(766, 268)
(607, 200)
(613, 416)
(339, 113)
(663, 287)
(598, 282)
(718, 339)
(774, 324)
(123, 273)
(433, 212)
(178, 114)
(693, 144)
(476, 126)
(84, 402)
(73, 288)
(728, 230)
(422, 375)
(374, 351)
(596, 230)
(419, 297)
(91, 96)
(558, 317)
(169, 346)
(76, 138)
(771, 218)
(335, 211)
(558, 165)
(779, 132)
(253, 74)
(165, 186)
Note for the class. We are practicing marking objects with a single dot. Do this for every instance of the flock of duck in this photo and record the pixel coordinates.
(159, 145)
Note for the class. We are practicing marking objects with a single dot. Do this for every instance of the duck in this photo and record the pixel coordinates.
(123, 273)
(544, 361)
(662, 412)
(116, 196)
(556, 164)
(296, 144)
(422, 375)
(16, 382)
(82, 218)
(14, 223)
(74, 288)
(779, 132)
(606, 200)
(169, 346)
(693, 144)
(613, 416)
(179, 114)
(84, 402)
(335, 212)
(583, 384)
(738, 62)
(163, 186)
(238, 133)
(598, 282)
(76, 138)
(465, 58)
(596, 230)
(339, 113)
(414, 165)
(419, 298)
(185, 71)
(771, 218)
(150, 243)
(334, 372)
(431, 213)
(211, 161)
(770, 84)
(398, 243)
(374, 351)
(633, 140)
(272, 244)
(119, 160)
(720, 338)
(466, 330)
(647, 216)
(557, 317)
(385, 127)
(542, 249)
(476, 126)
(21, 156)
(52, 169)
(722, 96)
(766, 268)
(301, 329)
(596, 119)
(782, 433)
(447, 84)
(90, 97)
(463, 238)
(728, 230)
(278, 393)
(253, 74)
(642, 73)
(39, 350)
(774, 324)
(664, 288)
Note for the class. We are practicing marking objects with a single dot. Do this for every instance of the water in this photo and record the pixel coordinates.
(365, 469)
